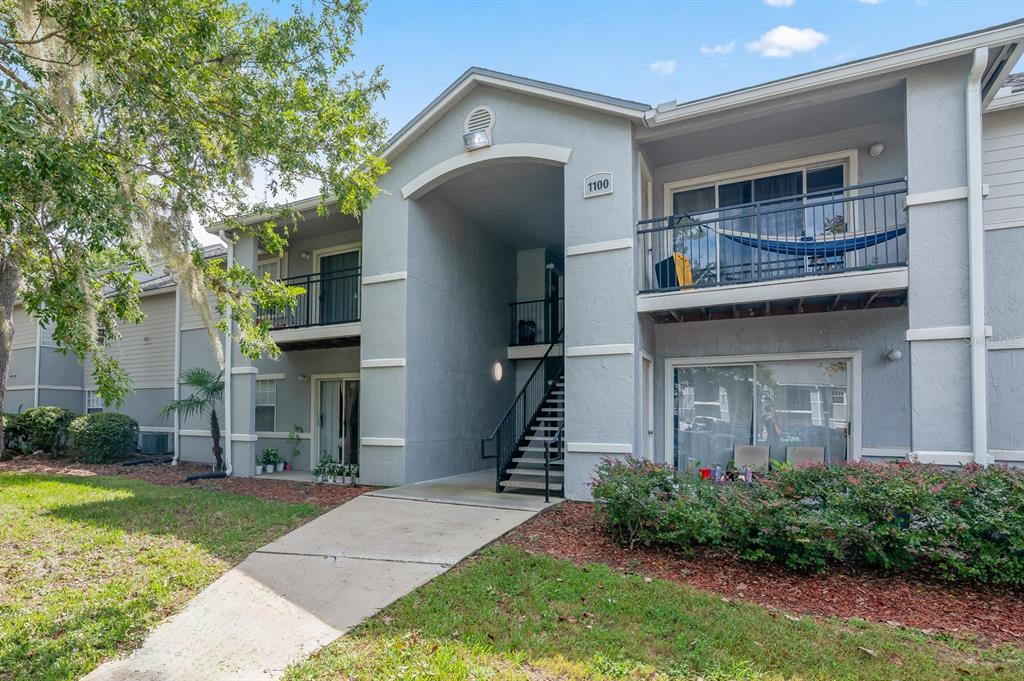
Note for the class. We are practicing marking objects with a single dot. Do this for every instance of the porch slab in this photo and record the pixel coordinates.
(305, 589)
(474, 489)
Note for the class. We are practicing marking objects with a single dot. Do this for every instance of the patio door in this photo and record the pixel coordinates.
(337, 420)
(782, 405)
(339, 287)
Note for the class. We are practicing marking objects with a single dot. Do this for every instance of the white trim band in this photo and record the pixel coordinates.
(270, 377)
(599, 447)
(1012, 343)
(1005, 224)
(599, 247)
(598, 350)
(381, 278)
(382, 441)
(237, 371)
(943, 333)
(937, 196)
(157, 429)
(381, 363)
(243, 437)
(942, 458)
(280, 435)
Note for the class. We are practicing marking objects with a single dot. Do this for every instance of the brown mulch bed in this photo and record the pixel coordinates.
(323, 496)
(572, 531)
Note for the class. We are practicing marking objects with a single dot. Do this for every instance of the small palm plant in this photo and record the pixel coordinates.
(207, 388)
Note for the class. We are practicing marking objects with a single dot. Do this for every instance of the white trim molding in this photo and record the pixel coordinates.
(885, 452)
(270, 377)
(382, 278)
(243, 437)
(533, 351)
(280, 435)
(600, 350)
(1012, 455)
(195, 432)
(44, 386)
(468, 160)
(237, 371)
(935, 333)
(599, 247)
(942, 458)
(599, 447)
(936, 196)
(382, 441)
(317, 332)
(381, 363)
(1011, 343)
(889, 279)
(157, 429)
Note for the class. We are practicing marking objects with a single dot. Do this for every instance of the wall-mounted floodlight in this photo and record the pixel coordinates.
(478, 139)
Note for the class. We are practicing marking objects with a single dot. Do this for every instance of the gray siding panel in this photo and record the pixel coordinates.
(146, 350)
(1003, 166)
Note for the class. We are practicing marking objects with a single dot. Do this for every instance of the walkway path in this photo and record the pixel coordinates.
(307, 588)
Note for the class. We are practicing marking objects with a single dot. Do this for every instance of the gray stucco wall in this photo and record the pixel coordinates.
(938, 295)
(23, 367)
(56, 368)
(16, 401)
(885, 385)
(599, 287)
(460, 284)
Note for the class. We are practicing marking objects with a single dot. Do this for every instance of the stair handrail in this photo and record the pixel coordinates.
(511, 413)
(558, 439)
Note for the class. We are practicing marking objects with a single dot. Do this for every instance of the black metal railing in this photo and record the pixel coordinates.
(534, 322)
(512, 428)
(327, 298)
(554, 445)
(858, 227)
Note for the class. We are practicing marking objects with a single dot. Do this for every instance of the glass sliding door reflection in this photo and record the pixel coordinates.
(804, 404)
(714, 412)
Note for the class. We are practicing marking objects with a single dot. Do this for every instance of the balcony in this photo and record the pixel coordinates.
(326, 313)
(851, 241)
(533, 325)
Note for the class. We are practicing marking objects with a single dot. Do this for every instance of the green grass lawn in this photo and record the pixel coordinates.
(509, 615)
(88, 564)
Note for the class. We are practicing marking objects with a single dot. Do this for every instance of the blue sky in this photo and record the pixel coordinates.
(648, 51)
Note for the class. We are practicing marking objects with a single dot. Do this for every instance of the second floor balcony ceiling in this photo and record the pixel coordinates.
(719, 238)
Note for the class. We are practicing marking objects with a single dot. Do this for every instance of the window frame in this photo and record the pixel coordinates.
(91, 397)
(257, 403)
(848, 157)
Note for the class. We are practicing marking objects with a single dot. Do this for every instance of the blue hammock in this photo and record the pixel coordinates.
(814, 246)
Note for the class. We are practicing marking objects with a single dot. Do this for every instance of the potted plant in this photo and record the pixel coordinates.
(258, 468)
(295, 442)
(321, 470)
(353, 471)
(270, 459)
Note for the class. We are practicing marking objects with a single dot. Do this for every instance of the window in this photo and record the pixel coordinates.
(93, 402)
(266, 406)
(838, 397)
(775, 404)
(271, 267)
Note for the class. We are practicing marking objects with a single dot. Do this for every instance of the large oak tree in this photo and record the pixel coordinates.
(123, 123)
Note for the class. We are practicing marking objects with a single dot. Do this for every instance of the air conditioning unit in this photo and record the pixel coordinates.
(155, 444)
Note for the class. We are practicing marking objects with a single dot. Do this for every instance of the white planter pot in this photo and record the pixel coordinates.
(268, 468)
(280, 466)
(259, 470)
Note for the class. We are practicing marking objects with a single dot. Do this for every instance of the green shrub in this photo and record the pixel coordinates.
(13, 432)
(963, 524)
(103, 437)
(46, 428)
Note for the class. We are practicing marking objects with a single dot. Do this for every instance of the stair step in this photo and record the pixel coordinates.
(536, 472)
(531, 448)
(539, 460)
(552, 408)
(556, 419)
(529, 484)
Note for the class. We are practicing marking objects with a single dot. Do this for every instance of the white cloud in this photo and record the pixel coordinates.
(663, 68)
(779, 3)
(783, 41)
(724, 48)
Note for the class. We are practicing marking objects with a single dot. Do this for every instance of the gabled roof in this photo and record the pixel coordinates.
(475, 76)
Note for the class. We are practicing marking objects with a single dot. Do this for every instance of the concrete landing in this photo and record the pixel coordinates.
(305, 589)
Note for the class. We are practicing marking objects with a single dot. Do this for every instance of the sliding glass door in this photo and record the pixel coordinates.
(780, 405)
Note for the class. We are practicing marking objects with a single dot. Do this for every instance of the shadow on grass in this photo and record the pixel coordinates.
(227, 526)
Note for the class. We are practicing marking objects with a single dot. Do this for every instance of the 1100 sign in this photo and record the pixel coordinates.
(597, 184)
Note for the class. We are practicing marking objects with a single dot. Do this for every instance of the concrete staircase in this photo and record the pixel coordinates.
(527, 470)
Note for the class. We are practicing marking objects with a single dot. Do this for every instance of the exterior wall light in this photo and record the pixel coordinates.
(478, 139)
(894, 355)
(876, 149)
(497, 371)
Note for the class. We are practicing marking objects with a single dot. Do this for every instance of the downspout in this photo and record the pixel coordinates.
(177, 372)
(228, 352)
(976, 258)
(36, 373)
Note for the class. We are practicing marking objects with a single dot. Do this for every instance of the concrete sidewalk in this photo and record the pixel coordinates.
(307, 588)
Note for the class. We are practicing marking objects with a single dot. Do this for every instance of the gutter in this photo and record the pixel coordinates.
(228, 352)
(177, 372)
(976, 257)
